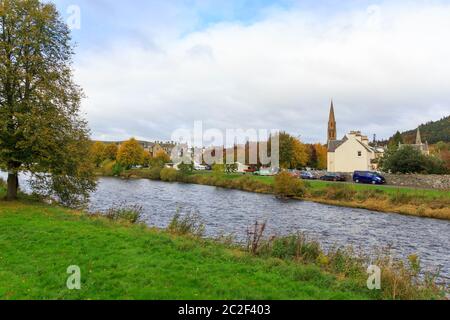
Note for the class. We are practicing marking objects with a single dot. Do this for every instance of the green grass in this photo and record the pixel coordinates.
(39, 242)
(321, 185)
(428, 193)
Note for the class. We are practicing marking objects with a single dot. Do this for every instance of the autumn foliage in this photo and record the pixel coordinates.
(288, 186)
(130, 153)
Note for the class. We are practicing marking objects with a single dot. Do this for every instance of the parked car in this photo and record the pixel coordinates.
(306, 175)
(251, 169)
(199, 167)
(267, 172)
(333, 177)
(294, 173)
(368, 177)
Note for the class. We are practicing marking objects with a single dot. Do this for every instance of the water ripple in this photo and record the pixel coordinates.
(231, 212)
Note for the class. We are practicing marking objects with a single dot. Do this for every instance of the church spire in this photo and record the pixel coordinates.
(418, 137)
(332, 131)
(332, 118)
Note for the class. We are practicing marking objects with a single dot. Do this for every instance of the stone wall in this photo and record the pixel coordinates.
(419, 180)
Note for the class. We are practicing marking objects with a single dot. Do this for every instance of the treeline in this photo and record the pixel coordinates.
(432, 132)
(407, 159)
(296, 155)
(293, 155)
(109, 157)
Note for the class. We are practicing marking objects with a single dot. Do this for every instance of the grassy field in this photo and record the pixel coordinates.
(118, 261)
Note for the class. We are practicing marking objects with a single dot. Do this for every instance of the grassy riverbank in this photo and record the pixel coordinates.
(407, 201)
(119, 260)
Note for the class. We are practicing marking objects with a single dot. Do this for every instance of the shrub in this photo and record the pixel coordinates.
(435, 165)
(340, 192)
(107, 168)
(400, 198)
(155, 173)
(405, 281)
(218, 169)
(398, 280)
(2, 183)
(296, 247)
(188, 224)
(410, 160)
(117, 169)
(287, 186)
(186, 168)
(247, 183)
(255, 237)
(369, 194)
(346, 261)
(131, 214)
(169, 175)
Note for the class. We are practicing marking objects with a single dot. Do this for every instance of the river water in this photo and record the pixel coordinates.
(230, 212)
(226, 212)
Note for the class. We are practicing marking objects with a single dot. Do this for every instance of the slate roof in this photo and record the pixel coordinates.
(334, 144)
(368, 148)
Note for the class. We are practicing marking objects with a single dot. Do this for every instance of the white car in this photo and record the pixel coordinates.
(199, 167)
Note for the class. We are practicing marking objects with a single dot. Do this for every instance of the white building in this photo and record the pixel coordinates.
(352, 153)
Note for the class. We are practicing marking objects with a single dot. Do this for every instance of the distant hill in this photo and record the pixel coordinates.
(432, 132)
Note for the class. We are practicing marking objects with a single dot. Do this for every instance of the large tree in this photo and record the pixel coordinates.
(322, 156)
(395, 141)
(407, 159)
(293, 153)
(111, 151)
(130, 153)
(98, 153)
(41, 131)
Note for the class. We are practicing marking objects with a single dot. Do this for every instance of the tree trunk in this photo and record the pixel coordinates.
(13, 186)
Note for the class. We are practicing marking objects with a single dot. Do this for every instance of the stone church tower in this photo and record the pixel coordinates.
(418, 137)
(332, 131)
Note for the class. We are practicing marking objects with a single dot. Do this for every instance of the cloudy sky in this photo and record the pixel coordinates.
(150, 67)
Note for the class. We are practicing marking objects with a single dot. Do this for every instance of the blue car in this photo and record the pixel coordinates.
(305, 175)
(368, 177)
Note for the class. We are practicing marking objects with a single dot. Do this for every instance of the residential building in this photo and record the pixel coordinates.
(352, 153)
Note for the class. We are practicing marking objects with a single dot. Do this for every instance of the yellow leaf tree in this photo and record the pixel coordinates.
(98, 153)
(111, 151)
(300, 154)
(146, 159)
(161, 158)
(322, 155)
(293, 153)
(130, 153)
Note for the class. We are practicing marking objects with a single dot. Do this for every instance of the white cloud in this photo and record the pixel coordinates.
(387, 67)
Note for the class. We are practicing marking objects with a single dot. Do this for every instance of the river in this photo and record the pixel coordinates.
(226, 212)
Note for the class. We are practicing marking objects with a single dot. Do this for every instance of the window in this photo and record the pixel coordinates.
(359, 154)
